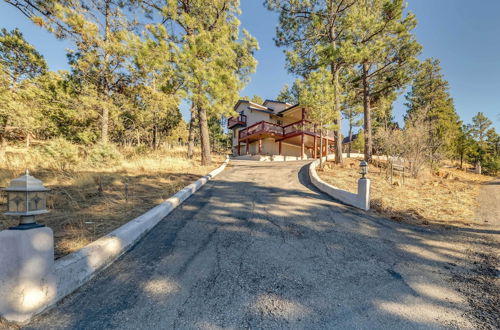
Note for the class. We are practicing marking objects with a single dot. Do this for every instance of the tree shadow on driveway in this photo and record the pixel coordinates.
(260, 248)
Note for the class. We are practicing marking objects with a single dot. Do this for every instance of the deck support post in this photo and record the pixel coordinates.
(314, 146)
(260, 146)
(326, 147)
(247, 147)
(279, 147)
(302, 146)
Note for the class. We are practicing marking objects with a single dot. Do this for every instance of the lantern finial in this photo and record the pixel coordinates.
(363, 166)
(27, 198)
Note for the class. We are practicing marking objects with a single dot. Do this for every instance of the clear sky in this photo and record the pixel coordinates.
(464, 35)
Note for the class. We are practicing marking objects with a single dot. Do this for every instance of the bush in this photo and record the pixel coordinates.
(104, 154)
(141, 150)
(60, 154)
(491, 165)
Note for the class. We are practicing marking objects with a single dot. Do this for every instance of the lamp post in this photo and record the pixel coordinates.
(27, 198)
(363, 169)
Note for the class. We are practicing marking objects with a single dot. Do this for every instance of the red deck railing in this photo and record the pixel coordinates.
(240, 120)
(261, 127)
(281, 131)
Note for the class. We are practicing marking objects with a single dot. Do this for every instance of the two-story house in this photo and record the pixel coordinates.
(276, 129)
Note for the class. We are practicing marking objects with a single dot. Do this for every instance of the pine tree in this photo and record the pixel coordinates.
(379, 41)
(429, 97)
(20, 63)
(317, 95)
(214, 61)
(289, 94)
(464, 143)
(100, 30)
(478, 128)
(314, 32)
(480, 125)
(257, 99)
(493, 142)
(157, 89)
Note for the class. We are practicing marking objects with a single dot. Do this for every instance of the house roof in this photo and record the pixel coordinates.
(289, 108)
(252, 104)
(273, 101)
(261, 110)
(347, 140)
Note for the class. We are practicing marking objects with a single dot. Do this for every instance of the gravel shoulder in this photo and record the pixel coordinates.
(259, 247)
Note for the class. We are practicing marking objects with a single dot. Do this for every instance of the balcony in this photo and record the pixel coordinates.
(241, 120)
(263, 128)
(266, 129)
(304, 126)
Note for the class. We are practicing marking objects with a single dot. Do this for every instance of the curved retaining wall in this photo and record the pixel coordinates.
(360, 200)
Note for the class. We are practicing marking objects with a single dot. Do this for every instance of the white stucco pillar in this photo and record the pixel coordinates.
(27, 282)
(364, 194)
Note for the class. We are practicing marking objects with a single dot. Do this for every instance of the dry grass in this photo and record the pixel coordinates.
(448, 197)
(4, 324)
(80, 213)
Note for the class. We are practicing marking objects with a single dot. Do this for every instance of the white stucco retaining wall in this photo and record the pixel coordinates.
(77, 268)
(360, 200)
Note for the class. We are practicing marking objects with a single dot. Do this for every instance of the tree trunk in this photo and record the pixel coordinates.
(106, 81)
(191, 133)
(3, 134)
(104, 125)
(206, 158)
(367, 115)
(338, 141)
(321, 147)
(338, 122)
(155, 136)
(350, 139)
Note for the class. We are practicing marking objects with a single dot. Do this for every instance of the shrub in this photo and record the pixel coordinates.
(491, 165)
(60, 154)
(141, 150)
(104, 154)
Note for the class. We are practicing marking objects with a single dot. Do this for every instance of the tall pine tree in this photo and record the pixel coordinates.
(379, 41)
(313, 31)
(430, 100)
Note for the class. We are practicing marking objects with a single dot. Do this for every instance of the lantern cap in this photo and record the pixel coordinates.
(26, 183)
(363, 163)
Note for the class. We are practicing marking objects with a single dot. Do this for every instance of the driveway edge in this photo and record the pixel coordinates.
(77, 268)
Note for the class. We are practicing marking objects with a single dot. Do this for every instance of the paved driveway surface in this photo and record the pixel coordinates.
(259, 248)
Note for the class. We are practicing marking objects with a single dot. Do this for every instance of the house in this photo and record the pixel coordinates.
(276, 129)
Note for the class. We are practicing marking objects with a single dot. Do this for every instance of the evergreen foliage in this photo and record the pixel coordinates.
(429, 99)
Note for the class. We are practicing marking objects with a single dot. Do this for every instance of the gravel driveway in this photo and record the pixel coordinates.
(259, 248)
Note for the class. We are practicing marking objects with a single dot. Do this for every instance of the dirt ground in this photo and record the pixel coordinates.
(448, 197)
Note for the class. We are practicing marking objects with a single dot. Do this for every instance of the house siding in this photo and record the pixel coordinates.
(269, 145)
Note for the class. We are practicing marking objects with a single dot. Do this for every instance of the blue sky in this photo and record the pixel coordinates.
(464, 35)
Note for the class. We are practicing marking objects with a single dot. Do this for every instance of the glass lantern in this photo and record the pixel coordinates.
(27, 197)
(363, 168)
